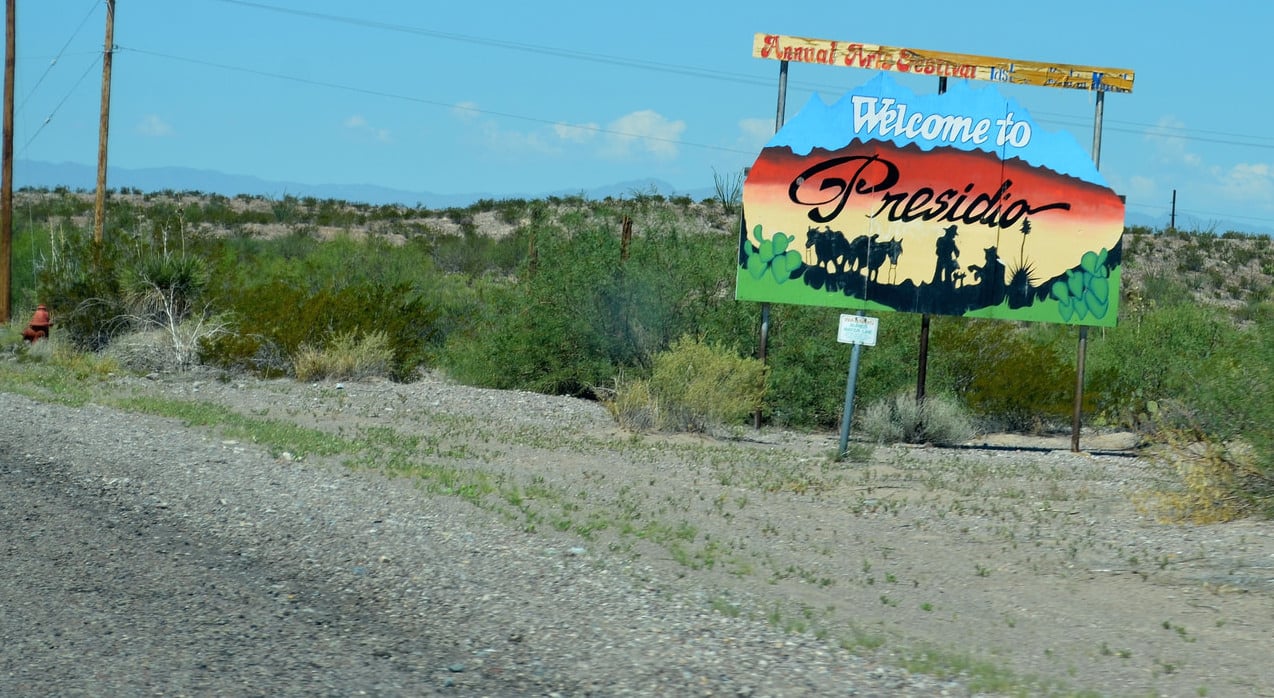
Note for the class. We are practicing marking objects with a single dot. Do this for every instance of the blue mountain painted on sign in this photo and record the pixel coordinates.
(833, 126)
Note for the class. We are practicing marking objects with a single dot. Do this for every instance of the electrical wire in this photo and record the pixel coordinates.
(59, 55)
(58, 107)
(1065, 119)
(421, 100)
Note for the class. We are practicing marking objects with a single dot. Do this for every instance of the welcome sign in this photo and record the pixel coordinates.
(951, 204)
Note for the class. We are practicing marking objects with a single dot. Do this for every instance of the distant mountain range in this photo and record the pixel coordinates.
(36, 174)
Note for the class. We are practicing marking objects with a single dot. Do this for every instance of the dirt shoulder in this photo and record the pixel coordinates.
(1005, 562)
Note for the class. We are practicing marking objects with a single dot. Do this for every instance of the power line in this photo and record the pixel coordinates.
(1139, 128)
(513, 45)
(58, 107)
(476, 110)
(435, 103)
(59, 55)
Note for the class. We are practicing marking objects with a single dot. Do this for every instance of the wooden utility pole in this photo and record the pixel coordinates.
(99, 207)
(6, 169)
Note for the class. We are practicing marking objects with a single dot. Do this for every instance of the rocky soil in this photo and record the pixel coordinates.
(428, 538)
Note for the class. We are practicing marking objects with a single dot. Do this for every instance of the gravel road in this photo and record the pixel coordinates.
(145, 558)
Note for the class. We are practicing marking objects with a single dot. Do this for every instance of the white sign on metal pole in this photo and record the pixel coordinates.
(857, 329)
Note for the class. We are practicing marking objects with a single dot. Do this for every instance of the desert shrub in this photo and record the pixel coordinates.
(276, 320)
(633, 405)
(539, 343)
(1158, 356)
(808, 367)
(701, 385)
(1204, 389)
(296, 291)
(162, 290)
(347, 357)
(144, 351)
(1015, 378)
(693, 386)
(1164, 291)
(82, 291)
(68, 362)
(579, 312)
(1215, 481)
(33, 247)
(937, 419)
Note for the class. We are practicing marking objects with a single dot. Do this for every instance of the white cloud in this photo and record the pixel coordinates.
(360, 125)
(466, 111)
(1141, 188)
(640, 133)
(576, 133)
(152, 125)
(644, 131)
(755, 133)
(1170, 147)
(1247, 182)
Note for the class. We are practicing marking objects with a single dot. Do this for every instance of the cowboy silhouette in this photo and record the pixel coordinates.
(947, 253)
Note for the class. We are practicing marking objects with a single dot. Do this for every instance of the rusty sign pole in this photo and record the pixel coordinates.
(765, 307)
(922, 361)
(1082, 349)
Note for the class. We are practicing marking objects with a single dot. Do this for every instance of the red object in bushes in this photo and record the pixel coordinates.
(39, 326)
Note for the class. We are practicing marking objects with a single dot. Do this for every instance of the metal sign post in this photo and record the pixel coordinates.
(857, 330)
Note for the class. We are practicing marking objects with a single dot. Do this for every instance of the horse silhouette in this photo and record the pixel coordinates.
(831, 248)
(879, 252)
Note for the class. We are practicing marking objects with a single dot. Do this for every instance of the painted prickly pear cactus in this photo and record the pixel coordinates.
(951, 204)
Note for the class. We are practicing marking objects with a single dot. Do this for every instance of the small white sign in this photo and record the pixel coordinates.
(857, 329)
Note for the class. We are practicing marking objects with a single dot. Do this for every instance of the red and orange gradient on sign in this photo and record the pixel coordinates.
(949, 204)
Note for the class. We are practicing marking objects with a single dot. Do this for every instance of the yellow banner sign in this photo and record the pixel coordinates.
(936, 63)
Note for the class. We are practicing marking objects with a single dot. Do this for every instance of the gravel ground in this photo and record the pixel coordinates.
(144, 558)
(147, 557)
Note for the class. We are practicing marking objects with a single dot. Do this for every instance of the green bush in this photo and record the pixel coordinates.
(580, 311)
(346, 357)
(162, 290)
(276, 320)
(1158, 356)
(1019, 378)
(82, 291)
(694, 386)
(937, 419)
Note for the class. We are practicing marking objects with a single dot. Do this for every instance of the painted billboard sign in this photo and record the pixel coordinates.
(950, 204)
(852, 54)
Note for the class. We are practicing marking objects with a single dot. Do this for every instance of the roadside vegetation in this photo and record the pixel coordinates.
(630, 301)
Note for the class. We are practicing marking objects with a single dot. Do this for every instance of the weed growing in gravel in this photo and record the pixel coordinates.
(276, 435)
(982, 676)
(51, 370)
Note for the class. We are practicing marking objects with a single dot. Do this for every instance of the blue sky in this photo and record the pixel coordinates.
(522, 98)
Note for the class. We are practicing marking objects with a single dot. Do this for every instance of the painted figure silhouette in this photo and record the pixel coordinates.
(947, 253)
